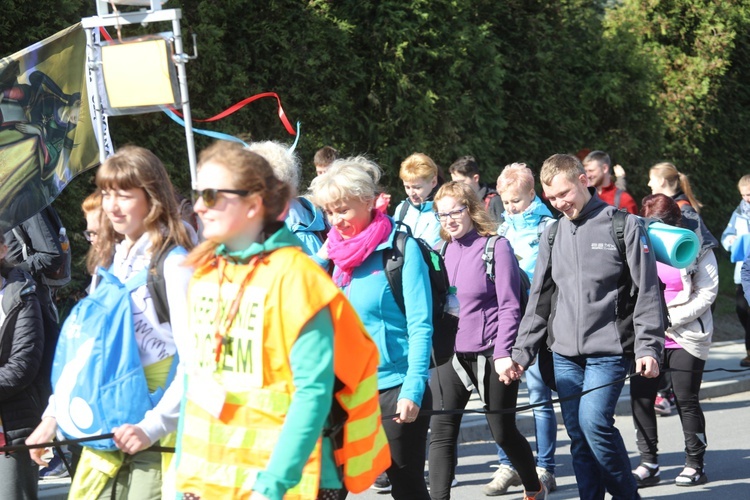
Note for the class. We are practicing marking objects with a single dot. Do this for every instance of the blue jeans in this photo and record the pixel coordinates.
(544, 421)
(600, 460)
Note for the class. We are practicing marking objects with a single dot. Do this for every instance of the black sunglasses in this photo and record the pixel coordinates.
(210, 196)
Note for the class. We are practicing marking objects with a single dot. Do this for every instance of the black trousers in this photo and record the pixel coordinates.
(408, 443)
(686, 388)
(445, 428)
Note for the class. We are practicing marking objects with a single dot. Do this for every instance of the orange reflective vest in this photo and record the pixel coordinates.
(221, 457)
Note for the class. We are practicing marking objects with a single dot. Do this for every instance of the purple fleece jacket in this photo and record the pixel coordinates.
(489, 312)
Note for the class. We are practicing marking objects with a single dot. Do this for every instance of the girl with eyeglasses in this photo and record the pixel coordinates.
(140, 221)
(262, 318)
(489, 315)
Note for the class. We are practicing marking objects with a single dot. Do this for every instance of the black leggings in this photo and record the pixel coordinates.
(686, 388)
(408, 443)
(445, 428)
(743, 313)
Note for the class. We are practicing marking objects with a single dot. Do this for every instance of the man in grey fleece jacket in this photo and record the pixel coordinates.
(598, 320)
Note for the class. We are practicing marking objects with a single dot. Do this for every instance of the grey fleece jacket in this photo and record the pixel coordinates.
(582, 300)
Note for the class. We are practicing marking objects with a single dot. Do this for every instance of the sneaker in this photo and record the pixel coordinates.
(382, 484)
(547, 478)
(56, 468)
(503, 478)
(745, 362)
(664, 405)
(688, 478)
(538, 495)
(646, 475)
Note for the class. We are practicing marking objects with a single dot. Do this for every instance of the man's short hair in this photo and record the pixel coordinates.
(568, 165)
(744, 181)
(600, 156)
(325, 156)
(466, 166)
(418, 166)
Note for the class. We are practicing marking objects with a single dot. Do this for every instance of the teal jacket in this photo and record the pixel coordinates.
(404, 341)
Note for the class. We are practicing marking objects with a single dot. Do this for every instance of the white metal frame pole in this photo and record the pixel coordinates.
(92, 69)
(180, 58)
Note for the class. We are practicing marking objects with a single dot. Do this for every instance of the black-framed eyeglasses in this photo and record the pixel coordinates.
(455, 214)
(211, 196)
(90, 235)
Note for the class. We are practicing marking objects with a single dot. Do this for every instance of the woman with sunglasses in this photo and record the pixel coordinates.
(360, 237)
(488, 322)
(140, 221)
(260, 380)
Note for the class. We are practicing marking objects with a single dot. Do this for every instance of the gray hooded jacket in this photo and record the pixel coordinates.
(583, 300)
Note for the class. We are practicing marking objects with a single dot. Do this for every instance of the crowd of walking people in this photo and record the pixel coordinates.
(282, 340)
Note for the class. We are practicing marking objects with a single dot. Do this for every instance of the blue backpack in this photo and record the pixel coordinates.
(97, 376)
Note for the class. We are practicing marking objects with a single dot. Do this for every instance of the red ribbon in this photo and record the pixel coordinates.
(245, 102)
(103, 32)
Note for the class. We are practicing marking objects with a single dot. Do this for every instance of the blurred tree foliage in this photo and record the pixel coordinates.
(519, 80)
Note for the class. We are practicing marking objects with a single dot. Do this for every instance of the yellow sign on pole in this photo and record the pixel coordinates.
(138, 73)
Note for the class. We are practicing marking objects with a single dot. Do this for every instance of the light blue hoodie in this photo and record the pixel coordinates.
(306, 221)
(522, 231)
(421, 220)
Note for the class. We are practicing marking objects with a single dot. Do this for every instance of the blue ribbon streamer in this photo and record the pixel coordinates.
(296, 140)
(211, 133)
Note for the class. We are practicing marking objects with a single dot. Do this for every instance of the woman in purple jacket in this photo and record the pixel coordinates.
(487, 327)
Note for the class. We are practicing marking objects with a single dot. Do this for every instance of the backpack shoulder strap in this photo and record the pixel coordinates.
(618, 230)
(443, 248)
(157, 283)
(618, 195)
(543, 223)
(552, 234)
(489, 256)
(404, 209)
(393, 264)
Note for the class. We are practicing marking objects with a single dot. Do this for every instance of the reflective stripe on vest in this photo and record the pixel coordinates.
(363, 452)
(221, 458)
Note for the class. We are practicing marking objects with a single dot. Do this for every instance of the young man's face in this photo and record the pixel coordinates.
(419, 189)
(745, 193)
(470, 180)
(596, 172)
(569, 197)
(321, 169)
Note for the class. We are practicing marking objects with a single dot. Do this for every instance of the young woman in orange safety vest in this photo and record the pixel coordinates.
(265, 322)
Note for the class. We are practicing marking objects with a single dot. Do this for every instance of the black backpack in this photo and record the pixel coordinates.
(60, 276)
(444, 325)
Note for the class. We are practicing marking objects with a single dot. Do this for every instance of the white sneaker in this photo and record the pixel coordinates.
(503, 478)
(547, 478)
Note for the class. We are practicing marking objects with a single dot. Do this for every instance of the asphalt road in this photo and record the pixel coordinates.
(727, 458)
